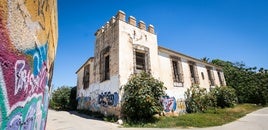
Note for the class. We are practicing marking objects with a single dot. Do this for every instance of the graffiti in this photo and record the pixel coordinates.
(26, 80)
(181, 107)
(15, 122)
(28, 37)
(108, 99)
(169, 104)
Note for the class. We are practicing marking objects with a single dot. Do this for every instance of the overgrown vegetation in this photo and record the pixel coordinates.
(61, 99)
(206, 119)
(250, 84)
(223, 97)
(141, 97)
(199, 100)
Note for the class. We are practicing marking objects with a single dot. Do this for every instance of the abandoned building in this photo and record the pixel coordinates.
(123, 48)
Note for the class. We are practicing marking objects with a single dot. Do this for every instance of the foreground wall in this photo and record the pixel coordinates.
(28, 42)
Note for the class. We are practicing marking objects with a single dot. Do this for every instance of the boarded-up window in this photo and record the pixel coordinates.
(193, 73)
(211, 76)
(86, 76)
(177, 69)
(140, 61)
(220, 78)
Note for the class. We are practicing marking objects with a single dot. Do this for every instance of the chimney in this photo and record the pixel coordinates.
(150, 29)
(132, 20)
(141, 25)
(121, 15)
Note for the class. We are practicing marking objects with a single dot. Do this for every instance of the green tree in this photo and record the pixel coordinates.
(225, 96)
(141, 99)
(250, 85)
(60, 98)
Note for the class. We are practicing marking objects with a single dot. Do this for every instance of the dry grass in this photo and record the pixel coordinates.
(207, 119)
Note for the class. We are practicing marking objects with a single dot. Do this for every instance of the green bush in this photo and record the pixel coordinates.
(197, 99)
(60, 98)
(225, 96)
(141, 99)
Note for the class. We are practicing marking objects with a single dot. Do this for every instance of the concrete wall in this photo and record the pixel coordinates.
(28, 42)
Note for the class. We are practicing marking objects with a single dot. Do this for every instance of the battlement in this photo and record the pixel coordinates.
(131, 20)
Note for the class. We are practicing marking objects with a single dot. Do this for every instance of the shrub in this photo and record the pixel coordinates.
(197, 99)
(141, 99)
(225, 96)
(60, 98)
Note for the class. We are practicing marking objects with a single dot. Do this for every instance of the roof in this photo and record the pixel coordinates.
(187, 57)
(90, 58)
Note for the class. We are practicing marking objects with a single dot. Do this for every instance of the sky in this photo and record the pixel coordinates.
(230, 30)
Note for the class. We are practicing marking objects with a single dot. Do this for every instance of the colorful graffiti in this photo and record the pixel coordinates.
(28, 37)
(168, 103)
(181, 107)
(105, 102)
(108, 99)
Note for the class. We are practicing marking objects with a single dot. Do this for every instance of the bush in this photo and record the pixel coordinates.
(225, 96)
(141, 99)
(197, 99)
(60, 98)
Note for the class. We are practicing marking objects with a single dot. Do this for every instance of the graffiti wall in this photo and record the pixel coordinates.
(28, 42)
(171, 105)
(105, 102)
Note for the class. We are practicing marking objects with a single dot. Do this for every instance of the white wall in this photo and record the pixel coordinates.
(126, 41)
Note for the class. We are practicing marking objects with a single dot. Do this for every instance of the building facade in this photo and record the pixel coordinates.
(123, 48)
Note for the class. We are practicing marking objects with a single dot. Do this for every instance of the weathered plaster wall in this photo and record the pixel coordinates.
(129, 36)
(28, 42)
(175, 94)
(102, 96)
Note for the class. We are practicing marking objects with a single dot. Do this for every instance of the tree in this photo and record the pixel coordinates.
(141, 99)
(60, 98)
(249, 84)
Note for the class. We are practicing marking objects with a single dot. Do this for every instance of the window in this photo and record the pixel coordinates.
(107, 68)
(105, 64)
(140, 61)
(202, 74)
(220, 78)
(211, 76)
(193, 73)
(86, 76)
(177, 69)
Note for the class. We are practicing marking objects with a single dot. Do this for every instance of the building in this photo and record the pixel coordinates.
(122, 49)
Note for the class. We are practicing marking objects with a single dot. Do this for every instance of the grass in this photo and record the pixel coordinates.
(207, 119)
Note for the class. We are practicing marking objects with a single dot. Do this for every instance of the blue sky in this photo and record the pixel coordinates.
(232, 30)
